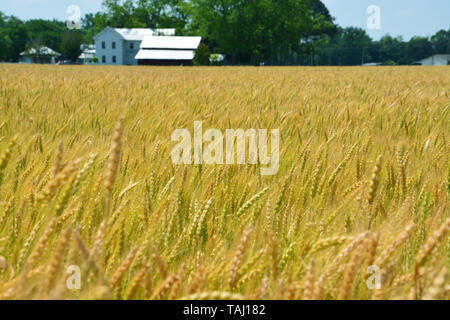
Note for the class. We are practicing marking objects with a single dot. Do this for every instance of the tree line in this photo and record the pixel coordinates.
(248, 32)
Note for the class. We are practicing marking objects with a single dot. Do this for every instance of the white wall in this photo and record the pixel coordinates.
(29, 60)
(437, 60)
(129, 53)
(25, 59)
(109, 36)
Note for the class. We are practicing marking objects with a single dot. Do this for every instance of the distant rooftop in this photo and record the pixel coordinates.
(44, 51)
(137, 34)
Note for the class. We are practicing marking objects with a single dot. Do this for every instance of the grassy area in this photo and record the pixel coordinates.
(364, 180)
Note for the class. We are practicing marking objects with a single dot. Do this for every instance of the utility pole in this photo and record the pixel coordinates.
(362, 56)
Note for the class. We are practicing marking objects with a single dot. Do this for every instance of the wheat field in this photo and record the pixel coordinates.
(87, 182)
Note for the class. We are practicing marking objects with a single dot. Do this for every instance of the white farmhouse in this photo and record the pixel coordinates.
(436, 60)
(116, 46)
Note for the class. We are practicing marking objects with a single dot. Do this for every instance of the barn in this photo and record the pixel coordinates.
(167, 51)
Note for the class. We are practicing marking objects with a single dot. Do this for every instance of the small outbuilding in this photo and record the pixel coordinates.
(372, 64)
(167, 51)
(87, 55)
(40, 54)
(435, 60)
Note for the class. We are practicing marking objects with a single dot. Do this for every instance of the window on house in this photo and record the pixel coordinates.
(103, 45)
(103, 59)
(114, 59)
(131, 45)
(114, 45)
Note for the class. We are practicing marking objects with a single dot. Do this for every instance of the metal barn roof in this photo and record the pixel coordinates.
(165, 55)
(137, 34)
(176, 43)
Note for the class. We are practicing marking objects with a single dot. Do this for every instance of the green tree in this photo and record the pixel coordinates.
(144, 14)
(46, 31)
(349, 46)
(390, 49)
(16, 37)
(441, 42)
(5, 41)
(255, 31)
(202, 54)
(71, 45)
(417, 48)
(88, 27)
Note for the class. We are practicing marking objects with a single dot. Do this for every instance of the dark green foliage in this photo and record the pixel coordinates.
(70, 45)
(202, 54)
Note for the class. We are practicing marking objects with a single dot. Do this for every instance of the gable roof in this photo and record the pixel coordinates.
(107, 29)
(44, 51)
(136, 34)
(174, 43)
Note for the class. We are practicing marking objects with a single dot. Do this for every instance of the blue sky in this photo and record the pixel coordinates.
(398, 17)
